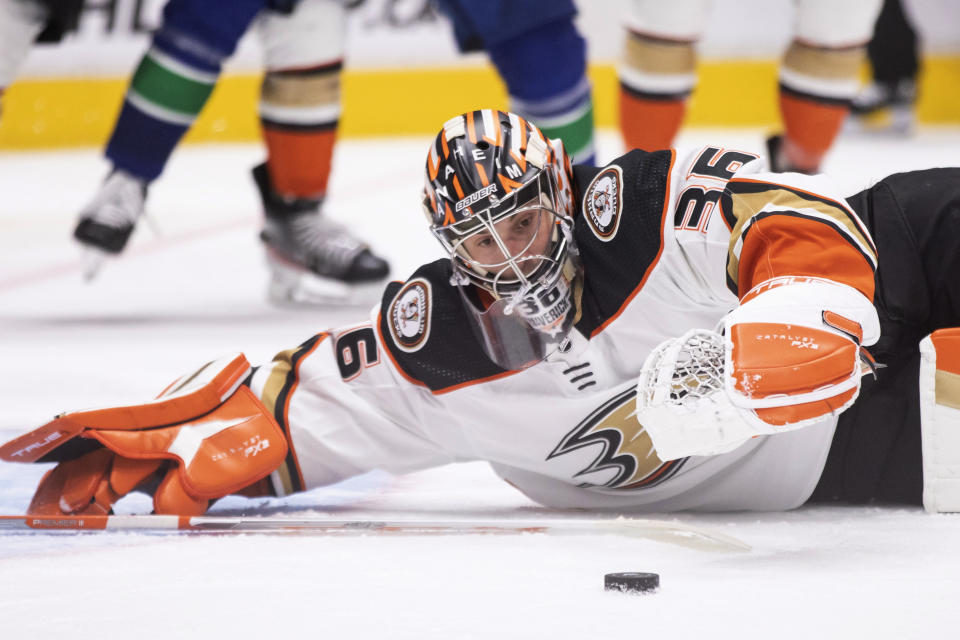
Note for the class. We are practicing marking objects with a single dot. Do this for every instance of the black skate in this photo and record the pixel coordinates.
(314, 260)
(777, 159)
(106, 223)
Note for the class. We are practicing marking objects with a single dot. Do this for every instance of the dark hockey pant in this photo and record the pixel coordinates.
(914, 218)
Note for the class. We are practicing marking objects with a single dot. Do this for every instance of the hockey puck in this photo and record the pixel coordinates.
(632, 582)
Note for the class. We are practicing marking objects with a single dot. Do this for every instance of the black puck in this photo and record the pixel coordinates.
(631, 582)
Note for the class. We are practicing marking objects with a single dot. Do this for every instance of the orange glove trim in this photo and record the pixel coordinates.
(808, 358)
(790, 414)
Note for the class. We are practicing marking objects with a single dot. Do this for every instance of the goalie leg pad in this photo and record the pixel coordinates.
(940, 420)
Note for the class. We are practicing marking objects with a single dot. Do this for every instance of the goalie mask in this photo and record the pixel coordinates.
(498, 199)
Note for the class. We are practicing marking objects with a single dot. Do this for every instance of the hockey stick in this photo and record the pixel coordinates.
(657, 530)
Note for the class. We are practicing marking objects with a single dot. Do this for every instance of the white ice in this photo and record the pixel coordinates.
(194, 289)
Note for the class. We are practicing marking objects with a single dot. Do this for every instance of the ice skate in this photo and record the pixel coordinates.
(779, 159)
(885, 106)
(314, 260)
(106, 223)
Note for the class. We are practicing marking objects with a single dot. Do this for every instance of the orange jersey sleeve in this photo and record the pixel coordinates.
(780, 230)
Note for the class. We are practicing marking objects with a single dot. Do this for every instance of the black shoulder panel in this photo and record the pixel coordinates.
(426, 330)
(619, 229)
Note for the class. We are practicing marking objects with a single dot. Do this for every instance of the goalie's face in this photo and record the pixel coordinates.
(513, 243)
(514, 246)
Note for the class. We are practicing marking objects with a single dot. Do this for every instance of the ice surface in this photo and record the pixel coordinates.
(195, 290)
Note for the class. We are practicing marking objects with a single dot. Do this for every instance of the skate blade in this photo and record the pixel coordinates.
(294, 287)
(91, 261)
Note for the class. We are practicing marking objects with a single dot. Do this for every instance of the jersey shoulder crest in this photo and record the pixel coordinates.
(619, 229)
(426, 332)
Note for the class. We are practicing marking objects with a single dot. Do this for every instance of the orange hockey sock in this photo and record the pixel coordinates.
(299, 113)
(656, 78)
(811, 126)
(299, 160)
(649, 123)
(816, 85)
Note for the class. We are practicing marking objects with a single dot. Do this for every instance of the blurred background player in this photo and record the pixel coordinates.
(894, 53)
(23, 22)
(540, 56)
(312, 259)
(817, 78)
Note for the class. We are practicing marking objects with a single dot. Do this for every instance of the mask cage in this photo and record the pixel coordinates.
(505, 277)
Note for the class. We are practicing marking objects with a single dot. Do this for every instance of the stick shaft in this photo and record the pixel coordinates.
(673, 533)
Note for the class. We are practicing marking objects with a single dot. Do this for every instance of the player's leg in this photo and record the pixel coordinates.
(875, 453)
(168, 89)
(545, 70)
(930, 205)
(914, 219)
(894, 59)
(312, 259)
(940, 420)
(818, 79)
(542, 59)
(20, 23)
(657, 73)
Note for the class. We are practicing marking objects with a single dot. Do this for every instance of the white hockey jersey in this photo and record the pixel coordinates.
(668, 240)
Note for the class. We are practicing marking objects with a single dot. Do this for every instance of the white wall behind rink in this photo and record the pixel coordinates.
(739, 29)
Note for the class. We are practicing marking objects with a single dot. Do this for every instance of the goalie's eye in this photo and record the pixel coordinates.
(480, 241)
(524, 221)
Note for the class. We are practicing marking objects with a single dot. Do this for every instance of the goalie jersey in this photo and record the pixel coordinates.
(669, 241)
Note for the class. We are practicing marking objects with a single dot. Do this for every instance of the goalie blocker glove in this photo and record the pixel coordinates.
(791, 355)
(206, 436)
(793, 351)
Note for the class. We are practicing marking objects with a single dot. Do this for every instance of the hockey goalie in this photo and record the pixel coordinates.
(676, 330)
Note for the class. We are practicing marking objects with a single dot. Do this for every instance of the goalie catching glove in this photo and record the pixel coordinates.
(791, 355)
(206, 436)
